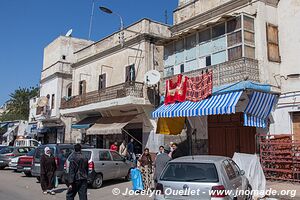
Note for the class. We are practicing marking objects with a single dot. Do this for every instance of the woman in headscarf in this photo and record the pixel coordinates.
(48, 168)
(145, 164)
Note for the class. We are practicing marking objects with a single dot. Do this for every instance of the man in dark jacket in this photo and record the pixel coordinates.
(78, 174)
(159, 164)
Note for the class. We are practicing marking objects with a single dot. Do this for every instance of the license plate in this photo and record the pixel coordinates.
(1, 161)
(27, 168)
(37, 165)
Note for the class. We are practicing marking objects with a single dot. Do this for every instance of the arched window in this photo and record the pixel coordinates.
(69, 90)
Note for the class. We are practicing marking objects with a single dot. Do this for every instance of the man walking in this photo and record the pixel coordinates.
(159, 164)
(78, 174)
(130, 150)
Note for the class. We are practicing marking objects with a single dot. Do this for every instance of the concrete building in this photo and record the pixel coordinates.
(55, 84)
(241, 41)
(108, 84)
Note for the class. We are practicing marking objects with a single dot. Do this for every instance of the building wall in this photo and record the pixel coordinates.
(113, 66)
(289, 44)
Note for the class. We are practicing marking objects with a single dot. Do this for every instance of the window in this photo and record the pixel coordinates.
(229, 170)
(234, 38)
(52, 101)
(69, 91)
(273, 43)
(205, 36)
(130, 73)
(104, 156)
(65, 152)
(218, 30)
(82, 87)
(102, 81)
(190, 172)
(235, 53)
(248, 23)
(116, 156)
(233, 24)
(235, 167)
(63, 57)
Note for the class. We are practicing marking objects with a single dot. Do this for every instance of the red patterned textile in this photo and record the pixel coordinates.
(176, 89)
(199, 87)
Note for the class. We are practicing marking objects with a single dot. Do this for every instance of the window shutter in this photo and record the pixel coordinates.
(273, 43)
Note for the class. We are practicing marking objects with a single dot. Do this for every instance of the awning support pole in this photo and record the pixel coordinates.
(132, 137)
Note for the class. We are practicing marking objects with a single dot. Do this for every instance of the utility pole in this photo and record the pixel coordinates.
(166, 16)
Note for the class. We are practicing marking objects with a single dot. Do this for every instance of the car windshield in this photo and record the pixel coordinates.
(7, 150)
(31, 153)
(86, 154)
(190, 172)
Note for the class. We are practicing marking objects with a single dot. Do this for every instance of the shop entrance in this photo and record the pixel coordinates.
(226, 135)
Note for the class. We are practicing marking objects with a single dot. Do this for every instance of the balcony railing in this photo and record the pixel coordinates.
(134, 89)
(230, 72)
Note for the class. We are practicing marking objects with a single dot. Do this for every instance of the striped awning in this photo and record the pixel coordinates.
(259, 109)
(217, 104)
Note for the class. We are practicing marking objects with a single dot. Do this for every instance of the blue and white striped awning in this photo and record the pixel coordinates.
(259, 109)
(215, 105)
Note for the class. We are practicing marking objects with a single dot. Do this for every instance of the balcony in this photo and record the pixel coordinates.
(230, 72)
(134, 89)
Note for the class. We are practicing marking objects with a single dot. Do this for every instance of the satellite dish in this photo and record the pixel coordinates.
(69, 33)
(152, 77)
(42, 102)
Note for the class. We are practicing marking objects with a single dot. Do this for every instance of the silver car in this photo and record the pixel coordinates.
(202, 177)
(104, 164)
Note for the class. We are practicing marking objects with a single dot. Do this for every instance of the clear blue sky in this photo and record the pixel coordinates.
(27, 26)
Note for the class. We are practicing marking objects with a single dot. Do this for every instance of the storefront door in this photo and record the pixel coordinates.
(226, 135)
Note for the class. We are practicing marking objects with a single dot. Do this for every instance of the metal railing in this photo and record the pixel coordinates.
(229, 72)
(135, 89)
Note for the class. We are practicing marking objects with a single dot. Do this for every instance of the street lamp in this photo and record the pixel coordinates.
(109, 11)
(121, 34)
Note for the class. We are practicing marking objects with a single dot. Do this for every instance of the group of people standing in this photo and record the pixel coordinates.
(125, 150)
(148, 166)
(78, 173)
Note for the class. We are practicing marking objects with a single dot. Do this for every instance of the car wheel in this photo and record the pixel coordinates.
(97, 182)
(28, 174)
(2, 167)
(249, 196)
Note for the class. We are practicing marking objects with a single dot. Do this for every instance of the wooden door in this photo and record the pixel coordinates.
(226, 135)
(296, 125)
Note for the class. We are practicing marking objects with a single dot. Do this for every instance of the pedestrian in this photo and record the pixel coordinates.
(159, 164)
(161, 150)
(78, 175)
(173, 150)
(123, 149)
(145, 165)
(47, 172)
(130, 150)
(114, 146)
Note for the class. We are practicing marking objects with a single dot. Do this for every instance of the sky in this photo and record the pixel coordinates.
(27, 26)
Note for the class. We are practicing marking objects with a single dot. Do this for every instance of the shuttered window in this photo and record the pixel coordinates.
(273, 43)
(102, 82)
(82, 87)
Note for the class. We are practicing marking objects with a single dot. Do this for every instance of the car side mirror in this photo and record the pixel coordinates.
(242, 172)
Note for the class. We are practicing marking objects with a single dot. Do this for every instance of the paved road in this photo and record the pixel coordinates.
(15, 186)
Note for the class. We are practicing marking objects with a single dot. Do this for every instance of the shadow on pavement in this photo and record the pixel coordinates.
(60, 190)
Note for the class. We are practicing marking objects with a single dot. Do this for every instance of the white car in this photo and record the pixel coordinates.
(13, 163)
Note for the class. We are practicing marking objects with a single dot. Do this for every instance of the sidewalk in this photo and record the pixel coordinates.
(279, 186)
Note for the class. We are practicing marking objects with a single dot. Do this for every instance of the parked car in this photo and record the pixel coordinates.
(60, 152)
(26, 143)
(104, 164)
(25, 163)
(206, 173)
(9, 153)
(2, 146)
